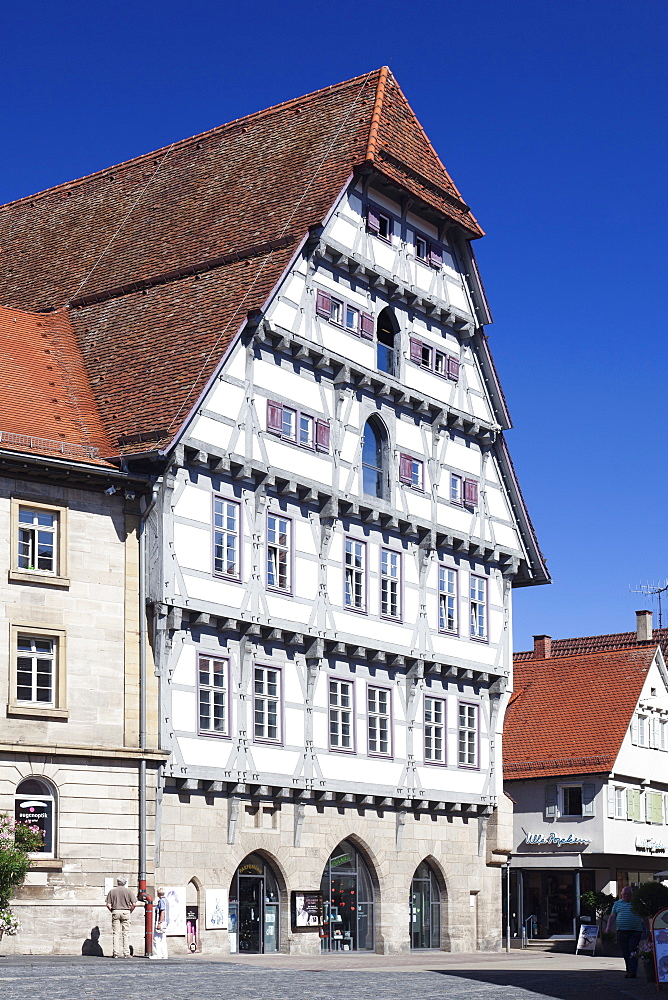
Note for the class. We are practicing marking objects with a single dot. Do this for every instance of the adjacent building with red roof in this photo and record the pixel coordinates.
(586, 762)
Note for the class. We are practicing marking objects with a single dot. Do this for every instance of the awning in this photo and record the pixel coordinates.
(546, 861)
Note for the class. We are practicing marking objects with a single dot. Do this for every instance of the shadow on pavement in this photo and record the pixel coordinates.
(563, 985)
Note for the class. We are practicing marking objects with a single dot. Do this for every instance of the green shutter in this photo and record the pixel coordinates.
(654, 807)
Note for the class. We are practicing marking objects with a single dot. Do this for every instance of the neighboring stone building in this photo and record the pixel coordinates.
(70, 756)
(586, 763)
(287, 335)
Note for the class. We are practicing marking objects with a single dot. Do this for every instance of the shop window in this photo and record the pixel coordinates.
(348, 901)
(425, 908)
(37, 672)
(226, 538)
(38, 543)
(374, 459)
(212, 674)
(35, 804)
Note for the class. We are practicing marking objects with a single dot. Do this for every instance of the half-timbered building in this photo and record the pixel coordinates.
(283, 324)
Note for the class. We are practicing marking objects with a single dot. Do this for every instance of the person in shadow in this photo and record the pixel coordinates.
(92, 946)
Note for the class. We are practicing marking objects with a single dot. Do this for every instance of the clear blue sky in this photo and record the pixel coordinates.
(551, 118)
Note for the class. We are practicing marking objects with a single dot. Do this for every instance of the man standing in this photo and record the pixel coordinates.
(121, 901)
(630, 928)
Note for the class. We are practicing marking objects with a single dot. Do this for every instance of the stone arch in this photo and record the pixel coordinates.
(372, 866)
(279, 873)
(442, 881)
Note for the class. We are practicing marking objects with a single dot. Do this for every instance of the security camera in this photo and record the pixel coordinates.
(110, 490)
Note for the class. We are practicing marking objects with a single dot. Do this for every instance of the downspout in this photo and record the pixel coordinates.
(143, 635)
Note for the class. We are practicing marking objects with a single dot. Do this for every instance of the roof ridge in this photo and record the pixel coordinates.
(180, 143)
(372, 142)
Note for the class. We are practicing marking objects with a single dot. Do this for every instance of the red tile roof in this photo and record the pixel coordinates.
(569, 715)
(160, 258)
(593, 643)
(46, 403)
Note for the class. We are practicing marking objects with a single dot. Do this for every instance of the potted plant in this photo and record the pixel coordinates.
(17, 842)
(645, 953)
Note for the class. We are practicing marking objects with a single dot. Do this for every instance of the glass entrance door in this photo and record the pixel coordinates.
(425, 909)
(254, 908)
(347, 894)
(250, 913)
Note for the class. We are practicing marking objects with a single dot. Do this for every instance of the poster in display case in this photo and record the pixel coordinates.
(306, 910)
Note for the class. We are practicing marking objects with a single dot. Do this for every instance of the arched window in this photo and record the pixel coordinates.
(35, 804)
(386, 342)
(374, 463)
(425, 908)
(347, 894)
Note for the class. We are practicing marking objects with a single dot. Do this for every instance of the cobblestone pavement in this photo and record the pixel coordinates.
(201, 979)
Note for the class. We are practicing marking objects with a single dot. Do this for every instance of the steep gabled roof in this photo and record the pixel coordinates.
(595, 643)
(46, 403)
(569, 715)
(160, 259)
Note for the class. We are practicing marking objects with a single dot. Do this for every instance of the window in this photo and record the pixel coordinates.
(427, 251)
(463, 491)
(421, 246)
(390, 583)
(410, 471)
(434, 730)
(662, 736)
(619, 803)
(447, 599)
(373, 460)
(571, 800)
(442, 364)
(654, 807)
(640, 729)
(340, 715)
(352, 319)
(213, 702)
(226, 547)
(34, 805)
(378, 714)
(468, 735)
(38, 542)
(278, 552)
(379, 223)
(456, 489)
(425, 356)
(37, 682)
(478, 605)
(386, 343)
(343, 314)
(633, 805)
(355, 570)
(267, 704)
(293, 425)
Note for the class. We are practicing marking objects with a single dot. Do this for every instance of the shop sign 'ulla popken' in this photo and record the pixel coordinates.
(553, 840)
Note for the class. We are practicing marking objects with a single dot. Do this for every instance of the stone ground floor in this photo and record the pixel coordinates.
(433, 976)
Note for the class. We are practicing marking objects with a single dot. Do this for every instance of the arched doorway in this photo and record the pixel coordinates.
(347, 893)
(254, 907)
(425, 908)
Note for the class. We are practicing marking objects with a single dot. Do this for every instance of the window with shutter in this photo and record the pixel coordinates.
(323, 304)
(416, 351)
(611, 790)
(453, 369)
(435, 255)
(406, 469)
(322, 435)
(274, 417)
(634, 731)
(550, 801)
(373, 219)
(470, 492)
(366, 328)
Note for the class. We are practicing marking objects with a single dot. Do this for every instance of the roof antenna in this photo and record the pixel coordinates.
(653, 590)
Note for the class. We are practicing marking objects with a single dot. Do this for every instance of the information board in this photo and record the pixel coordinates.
(587, 938)
(306, 910)
(660, 939)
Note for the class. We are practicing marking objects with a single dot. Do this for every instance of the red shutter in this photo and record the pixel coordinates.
(471, 492)
(416, 351)
(274, 417)
(435, 255)
(367, 326)
(372, 220)
(322, 435)
(323, 305)
(406, 469)
(453, 368)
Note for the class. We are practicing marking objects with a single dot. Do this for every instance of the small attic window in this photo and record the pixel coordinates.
(652, 692)
(379, 223)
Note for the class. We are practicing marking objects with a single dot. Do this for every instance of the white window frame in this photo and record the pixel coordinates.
(279, 553)
(390, 583)
(468, 735)
(448, 599)
(456, 489)
(562, 799)
(208, 690)
(478, 611)
(57, 576)
(355, 574)
(56, 708)
(379, 720)
(267, 703)
(434, 729)
(223, 534)
(619, 802)
(306, 437)
(289, 425)
(341, 711)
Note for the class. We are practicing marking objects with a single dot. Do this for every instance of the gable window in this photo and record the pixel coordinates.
(378, 721)
(390, 583)
(355, 570)
(301, 428)
(379, 223)
(411, 471)
(212, 695)
(421, 247)
(340, 715)
(467, 753)
(37, 672)
(373, 459)
(386, 342)
(278, 552)
(226, 547)
(478, 607)
(38, 543)
(428, 251)
(445, 365)
(434, 730)
(267, 704)
(447, 599)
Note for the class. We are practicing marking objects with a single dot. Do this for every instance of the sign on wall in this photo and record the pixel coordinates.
(176, 911)
(306, 910)
(39, 813)
(215, 909)
(554, 840)
(650, 844)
